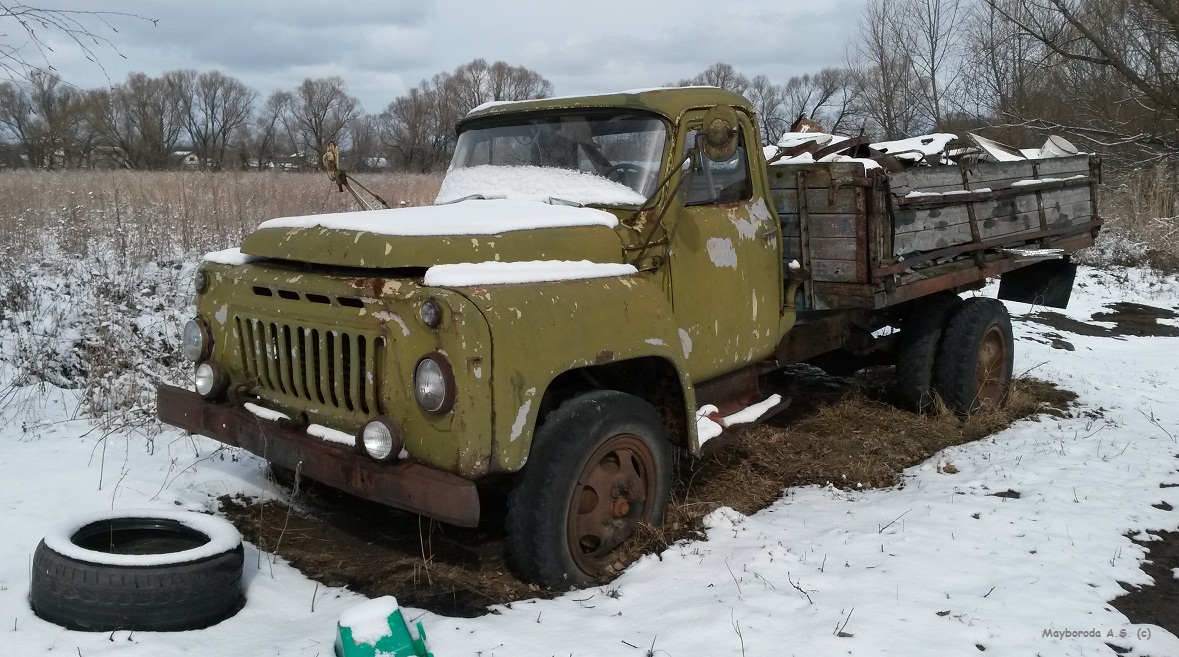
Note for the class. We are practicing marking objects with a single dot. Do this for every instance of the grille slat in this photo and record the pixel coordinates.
(335, 368)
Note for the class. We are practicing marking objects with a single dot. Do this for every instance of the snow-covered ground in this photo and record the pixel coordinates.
(938, 566)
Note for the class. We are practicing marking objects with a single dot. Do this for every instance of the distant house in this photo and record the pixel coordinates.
(187, 160)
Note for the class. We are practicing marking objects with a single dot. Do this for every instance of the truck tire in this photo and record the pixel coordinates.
(600, 465)
(920, 337)
(975, 359)
(150, 570)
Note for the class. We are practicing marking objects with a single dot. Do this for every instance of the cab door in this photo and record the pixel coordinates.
(724, 251)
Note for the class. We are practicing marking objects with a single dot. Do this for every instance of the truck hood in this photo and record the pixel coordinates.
(466, 231)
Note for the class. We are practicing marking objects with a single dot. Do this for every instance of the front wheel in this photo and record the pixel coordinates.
(600, 466)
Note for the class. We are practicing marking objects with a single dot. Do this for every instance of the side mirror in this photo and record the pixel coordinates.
(720, 133)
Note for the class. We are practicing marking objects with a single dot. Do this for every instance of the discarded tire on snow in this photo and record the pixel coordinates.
(144, 570)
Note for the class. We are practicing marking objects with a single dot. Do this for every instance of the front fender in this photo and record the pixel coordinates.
(541, 330)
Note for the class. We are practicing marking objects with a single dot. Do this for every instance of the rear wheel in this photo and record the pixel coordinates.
(975, 359)
(920, 337)
(600, 466)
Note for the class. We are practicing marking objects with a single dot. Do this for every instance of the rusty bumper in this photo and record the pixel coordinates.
(405, 485)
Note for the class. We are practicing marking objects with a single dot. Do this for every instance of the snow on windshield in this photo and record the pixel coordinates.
(529, 183)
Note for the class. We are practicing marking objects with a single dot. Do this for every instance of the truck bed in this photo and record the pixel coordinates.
(870, 240)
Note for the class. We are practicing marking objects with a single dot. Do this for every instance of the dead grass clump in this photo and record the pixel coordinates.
(857, 440)
(1142, 222)
(375, 550)
(145, 216)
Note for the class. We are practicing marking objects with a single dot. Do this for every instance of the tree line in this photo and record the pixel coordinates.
(1105, 73)
(144, 121)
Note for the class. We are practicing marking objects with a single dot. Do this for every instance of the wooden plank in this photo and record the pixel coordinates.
(824, 225)
(823, 248)
(928, 240)
(915, 218)
(992, 175)
(829, 296)
(819, 174)
(818, 201)
(939, 179)
(838, 271)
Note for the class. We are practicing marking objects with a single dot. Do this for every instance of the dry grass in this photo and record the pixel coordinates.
(153, 216)
(840, 431)
(96, 268)
(1142, 221)
(850, 436)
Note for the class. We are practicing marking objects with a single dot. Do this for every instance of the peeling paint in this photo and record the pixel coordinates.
(388, 248)
(685, 342)
(478, 371)
(391, 287)
(746, 228)
(475, 242)
(759, 211)
(222, 314)
(721, 252)
(656, 341)
(386, 316)
(522, 416)
(754, 292)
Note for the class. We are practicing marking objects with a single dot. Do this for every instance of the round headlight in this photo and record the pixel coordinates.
(431, 313)
(434, 384)
(209, 380)
(381, 440)
(200, 281)
(195, 343)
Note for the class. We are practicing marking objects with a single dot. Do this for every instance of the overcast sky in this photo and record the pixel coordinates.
(383, 47)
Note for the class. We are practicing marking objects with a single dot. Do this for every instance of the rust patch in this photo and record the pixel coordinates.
(369, 284)
(604, 357)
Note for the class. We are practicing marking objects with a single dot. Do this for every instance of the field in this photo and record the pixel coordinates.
(95, 281)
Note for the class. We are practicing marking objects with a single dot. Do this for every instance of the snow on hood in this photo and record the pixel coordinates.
(506, 273)
(531, 183)
(489, 217)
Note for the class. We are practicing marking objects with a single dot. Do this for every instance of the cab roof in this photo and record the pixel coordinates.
(670, 102)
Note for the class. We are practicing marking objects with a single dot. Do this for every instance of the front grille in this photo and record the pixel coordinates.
(321, 366)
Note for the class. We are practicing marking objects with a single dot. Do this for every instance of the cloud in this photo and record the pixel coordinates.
(383, 47)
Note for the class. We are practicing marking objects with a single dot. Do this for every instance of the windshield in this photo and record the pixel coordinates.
(604, 158)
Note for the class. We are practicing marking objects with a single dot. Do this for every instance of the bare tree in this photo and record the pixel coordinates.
(933, 30)
(26, 49)
(418, 128)
(319, 112)
(407, 129)
(139, 122)
(1112, 65)
(43, 116)
(889, 104)
(718, 75)
(769, 102)
(213, 107)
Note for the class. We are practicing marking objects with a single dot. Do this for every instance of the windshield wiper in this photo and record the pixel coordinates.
(469, 197)
(553, 200)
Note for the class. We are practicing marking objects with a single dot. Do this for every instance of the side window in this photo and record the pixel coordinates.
(718, 182)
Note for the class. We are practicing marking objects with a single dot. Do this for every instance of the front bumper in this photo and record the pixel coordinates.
(409, 486)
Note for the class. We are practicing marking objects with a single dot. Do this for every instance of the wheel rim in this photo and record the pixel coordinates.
(609, 500)
(991, 369)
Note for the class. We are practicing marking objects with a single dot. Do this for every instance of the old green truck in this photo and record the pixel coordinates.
(600, 289)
